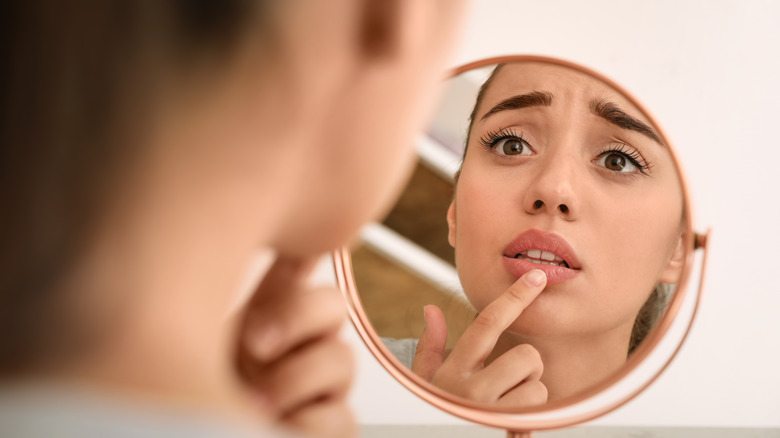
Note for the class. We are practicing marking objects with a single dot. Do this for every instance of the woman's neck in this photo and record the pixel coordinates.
(159, 292)
(575, 363)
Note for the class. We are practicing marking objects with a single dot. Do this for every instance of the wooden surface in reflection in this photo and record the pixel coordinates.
(420, 214)
(394, 298)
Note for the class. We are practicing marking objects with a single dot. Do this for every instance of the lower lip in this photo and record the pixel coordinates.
(555, 274)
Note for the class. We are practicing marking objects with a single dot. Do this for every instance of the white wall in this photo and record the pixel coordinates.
(710, 73)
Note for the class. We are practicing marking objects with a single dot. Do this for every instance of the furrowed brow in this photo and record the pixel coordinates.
(613, 114)
(534, 98)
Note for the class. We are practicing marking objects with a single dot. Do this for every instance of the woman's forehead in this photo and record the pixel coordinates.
(561, 83)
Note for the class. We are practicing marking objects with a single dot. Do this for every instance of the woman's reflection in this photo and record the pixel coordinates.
(561, 174)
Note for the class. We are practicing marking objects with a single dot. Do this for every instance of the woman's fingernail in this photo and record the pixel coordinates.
(425, 315)
(534, 278)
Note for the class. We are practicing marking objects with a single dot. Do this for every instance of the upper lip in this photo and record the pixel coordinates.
(544, 241)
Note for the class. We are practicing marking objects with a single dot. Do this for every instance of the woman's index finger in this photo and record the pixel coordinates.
(479, 339)
(285, 275)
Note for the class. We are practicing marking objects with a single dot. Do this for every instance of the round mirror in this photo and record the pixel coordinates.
(531, 165)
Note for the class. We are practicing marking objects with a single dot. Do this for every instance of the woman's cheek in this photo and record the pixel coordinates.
(651, 239)
(476, 257)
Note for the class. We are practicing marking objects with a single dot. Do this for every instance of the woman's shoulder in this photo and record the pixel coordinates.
(44, 413)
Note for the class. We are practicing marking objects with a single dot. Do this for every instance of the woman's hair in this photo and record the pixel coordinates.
(656, 303)
(649, 314)
(78, 83)
(480, 95)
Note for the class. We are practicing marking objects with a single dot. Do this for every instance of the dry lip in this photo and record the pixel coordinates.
(534, 239)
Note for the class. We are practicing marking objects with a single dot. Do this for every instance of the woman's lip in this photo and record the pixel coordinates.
(550, 242)
(555, 274)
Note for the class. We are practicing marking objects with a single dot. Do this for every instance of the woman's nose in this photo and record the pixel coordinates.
(552, 192)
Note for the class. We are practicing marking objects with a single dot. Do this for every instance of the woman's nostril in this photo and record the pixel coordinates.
(538, 204)
(563, 208)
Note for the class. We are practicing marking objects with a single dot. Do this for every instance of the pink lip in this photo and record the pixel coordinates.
(550, 242)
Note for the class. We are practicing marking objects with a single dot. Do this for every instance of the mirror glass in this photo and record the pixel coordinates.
(529, 164)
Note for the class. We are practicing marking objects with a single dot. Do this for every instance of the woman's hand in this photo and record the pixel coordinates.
(290, 353)
(510, 380)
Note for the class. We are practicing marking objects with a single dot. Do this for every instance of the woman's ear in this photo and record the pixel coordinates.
(451, 224)
(380, 28)
(671, 274)
(400, 28)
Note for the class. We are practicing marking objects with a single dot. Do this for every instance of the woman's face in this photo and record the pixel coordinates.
(363, 103)
(561, 166)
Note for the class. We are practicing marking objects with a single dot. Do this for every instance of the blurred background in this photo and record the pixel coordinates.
(709, 72)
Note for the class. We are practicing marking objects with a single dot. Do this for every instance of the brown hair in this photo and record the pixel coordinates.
(649, 314)
(654, 306)
(76, 83)
(480, 95)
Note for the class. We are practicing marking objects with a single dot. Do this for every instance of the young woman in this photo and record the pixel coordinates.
(566, 223)
(149, 151)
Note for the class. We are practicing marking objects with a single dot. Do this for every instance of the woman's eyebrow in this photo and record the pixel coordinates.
(533, 98)
(613, 114)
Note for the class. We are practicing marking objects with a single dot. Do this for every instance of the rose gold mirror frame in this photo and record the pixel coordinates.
(497, 417)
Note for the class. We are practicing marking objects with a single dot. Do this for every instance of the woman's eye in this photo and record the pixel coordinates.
(623, 159)
(512, 146)
(617, 162)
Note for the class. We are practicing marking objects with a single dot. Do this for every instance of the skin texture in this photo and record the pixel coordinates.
(291, 154)
(624, 229)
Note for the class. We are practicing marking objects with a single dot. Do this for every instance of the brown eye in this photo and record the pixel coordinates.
(615, 162)
(512, 146)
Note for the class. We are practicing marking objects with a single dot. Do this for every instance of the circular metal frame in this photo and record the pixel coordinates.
(534, 418)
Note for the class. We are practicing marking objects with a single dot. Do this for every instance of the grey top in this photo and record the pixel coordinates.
(38, 413)
(402, 349)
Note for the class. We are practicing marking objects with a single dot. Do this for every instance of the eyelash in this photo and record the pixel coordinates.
(491, 138)
(643, 166)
